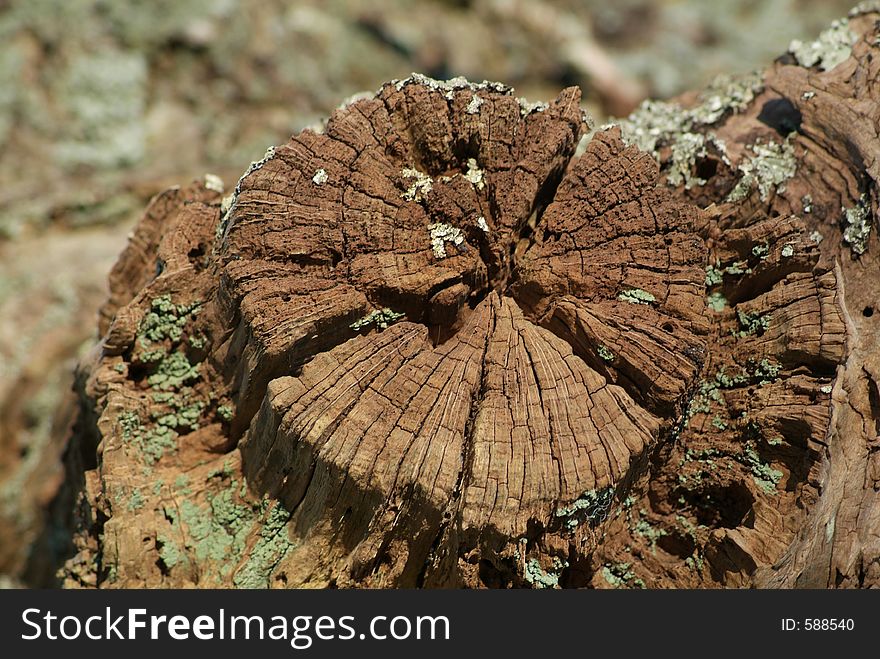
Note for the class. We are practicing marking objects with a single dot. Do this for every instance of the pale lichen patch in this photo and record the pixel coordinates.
(751, 324)
(833, 47)
(636, 296)
(381, 318)
(857, 225)
(539, 578)
(655, 123)
(527, 107)
(474, 174)
(652, 123)
(768, 170)
(592, 506)
(474, 106)
(421, 186)
(716, 302)
(214, 182)
(441, 234)
(449, 87)
(481, 222)
(320, 177)
(727, 93)
(685, 151)
(620, 575)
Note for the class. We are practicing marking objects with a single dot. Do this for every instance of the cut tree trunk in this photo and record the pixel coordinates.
(432, 346)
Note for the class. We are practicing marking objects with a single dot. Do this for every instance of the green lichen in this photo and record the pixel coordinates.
(751, 324)
(636, 296)
(182, 483)
(727, 94)
(685, 151)
(620, 575)
(763, 474)
(160, 331)
(225, 412)
(173, 372)
(761, 251)
(223, 472)
(647, 530)
(738, 268)
(833, 47)
(152, 356)
(536, 575)
(766, 371)
(169, 551)
(136, 500)
(716, 302)
(768, 170)
(592, 506)
(150, 443)
(714, 275)
(271, 547)
(857, 225)
(719, 423)
(726, 381)
(381, 318)
(605, 354)
(787, 250)
(218, 532)
(708, 395)
(156, 443)
(695, 562)
(655, 124)
(865, 7)
(165, 320)
(185, 411)
(130, 423)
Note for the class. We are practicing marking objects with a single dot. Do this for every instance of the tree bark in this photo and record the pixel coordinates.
(433, 346)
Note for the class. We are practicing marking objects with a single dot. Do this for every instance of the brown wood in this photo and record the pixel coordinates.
(430, 347)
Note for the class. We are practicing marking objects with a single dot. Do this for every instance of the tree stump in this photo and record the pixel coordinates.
(431, 346)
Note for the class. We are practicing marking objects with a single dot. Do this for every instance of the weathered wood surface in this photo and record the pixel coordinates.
(429, 346)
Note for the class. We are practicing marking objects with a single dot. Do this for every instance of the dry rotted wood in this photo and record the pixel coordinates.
(430, 347)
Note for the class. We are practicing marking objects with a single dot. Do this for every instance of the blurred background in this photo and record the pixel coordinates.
(104, 103)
